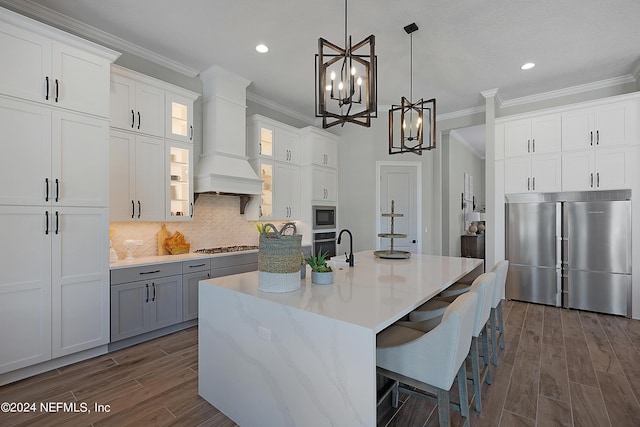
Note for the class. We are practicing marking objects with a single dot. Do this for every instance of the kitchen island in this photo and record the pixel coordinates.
(308, 357)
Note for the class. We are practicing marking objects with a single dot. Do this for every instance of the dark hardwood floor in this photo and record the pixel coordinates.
(559, 368)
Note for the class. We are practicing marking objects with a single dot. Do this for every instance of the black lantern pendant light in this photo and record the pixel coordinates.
(415, 129)
(346, 81)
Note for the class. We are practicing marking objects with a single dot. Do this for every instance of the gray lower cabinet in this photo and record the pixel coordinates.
(145, 305)
(196, 270)
(193, 271)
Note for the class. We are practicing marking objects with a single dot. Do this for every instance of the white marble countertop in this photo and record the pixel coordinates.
(373, 294)
(162, 259)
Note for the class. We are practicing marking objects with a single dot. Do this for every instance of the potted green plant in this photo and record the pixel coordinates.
(321, 273)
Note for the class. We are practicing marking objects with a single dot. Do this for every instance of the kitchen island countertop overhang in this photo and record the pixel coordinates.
(308, 357)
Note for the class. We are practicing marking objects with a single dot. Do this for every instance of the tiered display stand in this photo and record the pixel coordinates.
(392, 253)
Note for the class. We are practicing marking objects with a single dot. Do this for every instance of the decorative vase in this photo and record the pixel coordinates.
(322, 277)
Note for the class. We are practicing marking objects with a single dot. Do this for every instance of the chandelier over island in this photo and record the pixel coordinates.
(346, 80)
(412, 125)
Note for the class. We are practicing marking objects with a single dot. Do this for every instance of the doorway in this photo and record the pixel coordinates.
(400, 182)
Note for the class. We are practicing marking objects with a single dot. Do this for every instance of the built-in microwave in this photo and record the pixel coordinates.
(324, 217)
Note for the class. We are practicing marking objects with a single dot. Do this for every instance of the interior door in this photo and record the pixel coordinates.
(400, 184)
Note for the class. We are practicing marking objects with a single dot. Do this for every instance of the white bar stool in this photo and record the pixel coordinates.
(495, 319)
(483, 286)
(431, 360)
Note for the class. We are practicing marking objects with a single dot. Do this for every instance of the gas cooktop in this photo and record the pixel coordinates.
(224, 249)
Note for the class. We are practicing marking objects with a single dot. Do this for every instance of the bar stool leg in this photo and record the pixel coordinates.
(500, 324)
(475, 370)
(486, 357)
(395, 394)
(494, 335)
(444, 415)
(462, 391)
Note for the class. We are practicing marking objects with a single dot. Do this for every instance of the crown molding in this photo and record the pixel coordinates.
(280, 108)
(51, 17)
(461, 113)
(572, 90)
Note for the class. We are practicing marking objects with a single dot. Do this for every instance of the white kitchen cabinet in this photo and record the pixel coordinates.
(287, 194)
(270, 139)
(145, 305)
(606, 125)
(80, 274)
(54, 157)
(599, 169)
(51, 67)
(324, 184)
(137, 177)
(179, 114)
(280, 198)
(179, 178)
(319, 147)
(537, 135)
(136, 106)
(537, 173)
(53, 291)
(25, 287)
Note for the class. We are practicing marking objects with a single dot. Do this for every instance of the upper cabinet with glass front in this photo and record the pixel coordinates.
(270, 139)
(145, 105)
(179, 117)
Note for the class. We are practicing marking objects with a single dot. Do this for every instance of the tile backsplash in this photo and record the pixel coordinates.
(216, 222)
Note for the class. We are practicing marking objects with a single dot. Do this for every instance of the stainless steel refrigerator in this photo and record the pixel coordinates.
(571, 250)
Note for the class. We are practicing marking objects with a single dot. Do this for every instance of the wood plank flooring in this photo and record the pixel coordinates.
(559, 368)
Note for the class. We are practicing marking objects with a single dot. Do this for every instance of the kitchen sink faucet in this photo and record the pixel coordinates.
(350, 258)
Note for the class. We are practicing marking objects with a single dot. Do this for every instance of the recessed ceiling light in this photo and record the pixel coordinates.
(262, 48)
(528, 66)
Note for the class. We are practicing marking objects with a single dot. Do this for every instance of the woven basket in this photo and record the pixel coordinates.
(279, 259)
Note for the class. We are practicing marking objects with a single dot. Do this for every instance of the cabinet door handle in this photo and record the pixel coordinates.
(191, 208)
(56, 90)
(533, 186)
(191, 129)
(133, 119)
(138, 119)
(57, 189)
(57, 223)
(528, 145)
(46, 220)
(46, 194)
(139, 209)
(528, 184)
(154, 291)
(151, 272)
(146, 285)
(533, 145)
(597, 137)
(591, 179)
(133, 209)
(198, 265)
(598, 179)
(591, 138)
(46, 94)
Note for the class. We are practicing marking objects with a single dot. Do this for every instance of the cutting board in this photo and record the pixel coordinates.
(163, 234)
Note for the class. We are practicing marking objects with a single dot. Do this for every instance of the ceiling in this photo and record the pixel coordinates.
(462, 48)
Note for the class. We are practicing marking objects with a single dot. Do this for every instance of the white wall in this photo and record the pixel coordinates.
(461, 160)
(358, 151)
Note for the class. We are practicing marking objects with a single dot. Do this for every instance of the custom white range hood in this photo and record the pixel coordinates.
(223, 167)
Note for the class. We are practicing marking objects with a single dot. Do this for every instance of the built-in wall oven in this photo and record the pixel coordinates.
(324, 217)
(324, 242)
